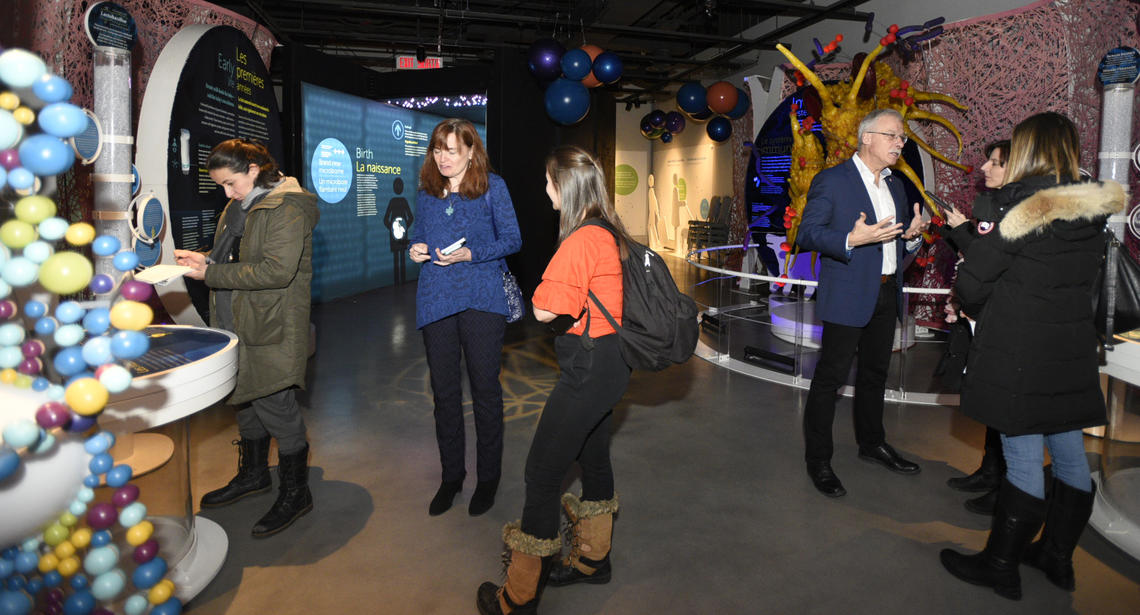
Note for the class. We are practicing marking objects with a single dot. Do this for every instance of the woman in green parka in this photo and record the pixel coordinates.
(259, 271)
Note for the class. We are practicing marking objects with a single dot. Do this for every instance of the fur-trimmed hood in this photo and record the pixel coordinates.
(1072, 203)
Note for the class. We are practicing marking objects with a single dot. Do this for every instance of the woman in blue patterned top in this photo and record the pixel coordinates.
(460, 304)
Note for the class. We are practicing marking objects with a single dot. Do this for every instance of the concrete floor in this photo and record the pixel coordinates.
(717, 513)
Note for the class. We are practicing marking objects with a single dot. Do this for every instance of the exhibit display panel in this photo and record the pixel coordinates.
(362, 159)
(1116, 514)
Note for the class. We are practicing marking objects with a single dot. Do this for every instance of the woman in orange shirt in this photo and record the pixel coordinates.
(576, 421)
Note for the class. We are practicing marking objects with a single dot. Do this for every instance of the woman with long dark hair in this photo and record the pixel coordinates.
(576, 420)
(1032, 371)
(460, 303)
(259, 271)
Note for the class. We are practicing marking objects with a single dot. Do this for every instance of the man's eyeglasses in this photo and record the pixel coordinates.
(891, 135)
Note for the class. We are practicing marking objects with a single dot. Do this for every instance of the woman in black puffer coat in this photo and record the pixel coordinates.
(1032, 367)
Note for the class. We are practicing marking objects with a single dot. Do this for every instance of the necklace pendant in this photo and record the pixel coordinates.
(450, 209)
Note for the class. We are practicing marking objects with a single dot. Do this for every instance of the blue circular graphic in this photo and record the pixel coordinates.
(331, 169)
(397, 130)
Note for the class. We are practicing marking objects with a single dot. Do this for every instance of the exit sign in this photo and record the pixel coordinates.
(411, 63)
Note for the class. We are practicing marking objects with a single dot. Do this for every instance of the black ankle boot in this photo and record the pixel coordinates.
(483, 498)
(1069, 512)
(252, 474)
(293, 497)
(1016, 521)
(441, 503)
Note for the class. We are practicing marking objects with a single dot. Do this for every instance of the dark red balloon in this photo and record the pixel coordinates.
(9, 159)
(721, 97)
(145, 552)
(102, 516)
(125, 495)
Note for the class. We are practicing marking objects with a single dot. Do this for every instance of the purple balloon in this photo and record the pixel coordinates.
(102, 515)
(7, 309)
(9, 159)
(52, 414)
(145, 552)
(101, 284)
(674, 122)
(125, 495)
(80, 423)
(136, 291)
(545, 59)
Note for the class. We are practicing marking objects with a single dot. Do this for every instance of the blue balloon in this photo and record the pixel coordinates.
(27, 561)
(97, 321)
(105, 245)
(62, 120)
(101, 464)
(719, 129)
(567, 102)
(9, 461)
(40, 384)
(173, 606)
(608, 67)
(35, 309)
(53, 578)
(149, 574)
(20, 178)
(126, 260)
(79, 581)
(742, 104)
(129, 344)
(702, 116)
(79, 603)
(45, 155)
(69, 361)
(11, 131)
(692, 98)
(52, 88)
(15, 602)
(97, 351)
(666, 137)
(576, 64)
(101, 538)
(545, 59)
(68, 312)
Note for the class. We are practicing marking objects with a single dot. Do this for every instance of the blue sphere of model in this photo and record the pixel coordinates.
(657, 118)
(666, 137)
(608, 67)
(52, 88)
(545, 59)
(576, 64)
(691, 98)
(45, 155)
(719, 129)
(567, 102)
(742, 104)
(62, 120)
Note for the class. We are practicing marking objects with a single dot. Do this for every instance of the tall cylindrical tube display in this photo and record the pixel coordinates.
(112, 178)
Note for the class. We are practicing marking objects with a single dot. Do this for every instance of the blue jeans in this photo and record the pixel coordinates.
(1025, 458)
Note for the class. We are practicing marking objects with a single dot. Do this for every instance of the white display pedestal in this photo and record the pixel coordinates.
(1116, 510)
(187, 370)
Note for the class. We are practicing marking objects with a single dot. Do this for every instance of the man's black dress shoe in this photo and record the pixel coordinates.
(824, 479)
(885, 455)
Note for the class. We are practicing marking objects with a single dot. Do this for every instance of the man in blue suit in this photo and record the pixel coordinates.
(856, 218)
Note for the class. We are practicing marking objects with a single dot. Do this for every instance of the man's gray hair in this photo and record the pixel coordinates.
(872, 117)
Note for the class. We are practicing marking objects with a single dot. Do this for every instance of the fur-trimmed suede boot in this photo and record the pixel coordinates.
(1016, 521)
(529, 565)
(591, 530)
(252, 474)
(1069, 512)
(293, 497)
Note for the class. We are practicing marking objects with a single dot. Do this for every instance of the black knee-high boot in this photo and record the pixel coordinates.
(1069, 512)
(1016, 521)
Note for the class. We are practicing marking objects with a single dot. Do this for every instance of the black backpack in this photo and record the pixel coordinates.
(659, 322)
